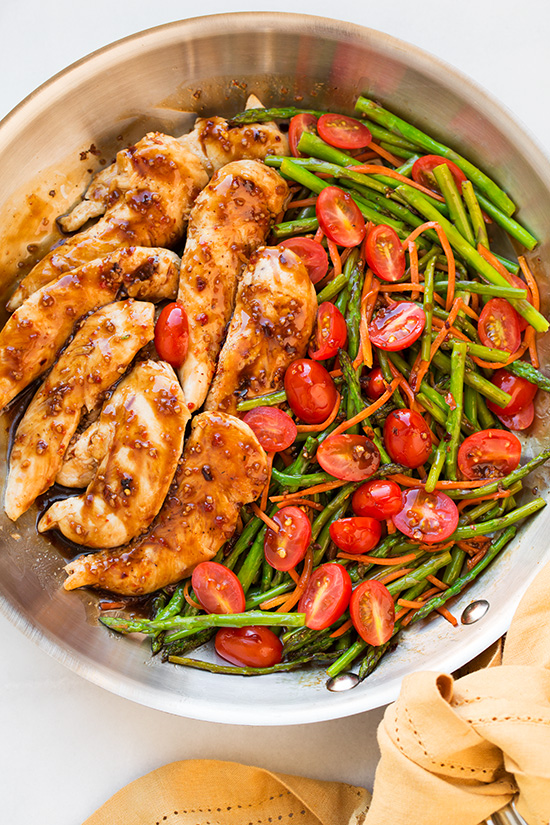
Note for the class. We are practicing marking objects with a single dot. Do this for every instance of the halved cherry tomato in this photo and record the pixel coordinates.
(326, 596)
(339, 217)
(407, 437)
(330, 332)
(520, 420)
(298, 124)
(515, 280)
(422, 172)
(217, 588)
(372, 612)
(274, 428)
(397, 326)
(520, 389)
(313, 255)
(349, 457)
(374, 384)
(172, 334)
(385, 254)
(285, 549)
(380, 499)
(343, 132)
(489, 454)
(498, 325)
(249, 646)
(355, 535)
(426, 517)
(310, 391)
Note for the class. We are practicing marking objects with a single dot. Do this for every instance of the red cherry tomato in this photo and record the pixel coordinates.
(374, 384)
(349, 457)
(398, 326)
(520, 420)
(372, 612)
(489, 454)
(326, 596)
(515, 280)
(217, 588)
(310, 391)
(330, 333)
(274, 428)
(407, 437)
(298, 124)
(313, 255)
(380, 499)
(285, 549)
(426, 517)
(172, 334)
(339, 217)
(249, 646)
(520, 389)
(499, 326)
(385, 254)
(343, 132)
(355, 535)
(422, 172)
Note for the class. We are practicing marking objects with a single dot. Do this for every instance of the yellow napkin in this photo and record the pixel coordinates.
(457, 751)
(201, 791)
(452, 752)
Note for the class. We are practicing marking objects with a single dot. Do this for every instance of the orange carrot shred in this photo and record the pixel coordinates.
(448, 252)
(479, 499)
(319, 235)
(374, 560)
(310, 491)
(356, 419)
(294, 575)
(417, 378)
(447, 615)
(407, 481)
(302, 502)
(413, 258)
(390, 526)
(274, 602)
(263, 500)
(265, 518)
(438, 583)
(341, 630)
(334, 257)
(373, 169)
(317, 428)
(188, 598)
(301, 203)
(409, 603)
(294, 597)
(396, 574)
(385, 154)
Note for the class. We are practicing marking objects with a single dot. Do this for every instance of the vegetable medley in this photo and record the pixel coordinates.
(395, 472)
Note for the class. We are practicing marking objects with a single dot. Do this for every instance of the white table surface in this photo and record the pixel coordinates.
(67, 745)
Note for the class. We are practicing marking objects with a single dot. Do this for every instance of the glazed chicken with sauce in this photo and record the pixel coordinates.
(223, 467)
(34, 334)
(230, 220)
(274, 316)
(95, 359)
(143, 425)
(144, 199)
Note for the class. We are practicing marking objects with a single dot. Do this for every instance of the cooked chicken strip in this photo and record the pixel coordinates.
(147, 417)
(97, 356)
(274, 316)
(33, 335)
(230, 219)
(211, 140)
(223, 467)
(84, 453)
(161, 180)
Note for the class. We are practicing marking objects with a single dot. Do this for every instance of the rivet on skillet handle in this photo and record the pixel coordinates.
(474, 611)
(344, 681)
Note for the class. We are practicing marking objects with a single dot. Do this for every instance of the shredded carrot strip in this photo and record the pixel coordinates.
(294, 575)
(406, 481)
(470, 312)
(318, 488)
(409, 603)
(265, 518)
(396, 574)
(448, 252)
(356, 419)
(416, 378)
(111, 605)
(385, 154)
(301, 585)
(406, 287)
(435, 548)
(334, 257)
(287, 459)
(300, 204)
(438, 583)
(374, 560)
(530, 341)
(341, 630)
(500, 494)
(401, 613)
(317, 428)
(530, 281)
(263, 500)
(415, 278)
(390, 526)
(447, 615)
(336, 373)
(366, 156)
(188, 598)
(373, 169)
(302, 502)
(405, 386)
(319, 235)
(365, 349)
(274, 602)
